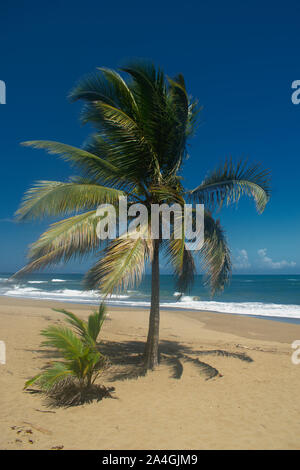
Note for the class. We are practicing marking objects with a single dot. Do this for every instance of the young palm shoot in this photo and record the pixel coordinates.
(71, 380)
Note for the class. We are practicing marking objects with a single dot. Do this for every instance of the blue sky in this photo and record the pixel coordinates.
(238, 59)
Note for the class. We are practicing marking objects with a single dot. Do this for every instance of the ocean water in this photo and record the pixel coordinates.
(273, 297)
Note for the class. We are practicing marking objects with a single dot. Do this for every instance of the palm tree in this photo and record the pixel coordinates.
(142, 126)
(71, 380)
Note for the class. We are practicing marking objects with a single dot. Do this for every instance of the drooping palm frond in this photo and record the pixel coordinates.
(215, 255)
(52, 198)
(183, 264)
(94, 87)
(74, 237)
(107, 87)
(55, 373)
(121, 264)
(63, 339)
(125, 96)
(179, 255)
(95, 166)
(229, 182)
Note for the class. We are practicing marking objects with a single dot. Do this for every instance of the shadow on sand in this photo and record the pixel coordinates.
(126, 359)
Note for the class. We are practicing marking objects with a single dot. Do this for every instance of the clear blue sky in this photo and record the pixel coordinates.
(238, 58)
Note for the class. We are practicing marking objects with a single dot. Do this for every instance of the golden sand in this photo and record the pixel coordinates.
(246, 405)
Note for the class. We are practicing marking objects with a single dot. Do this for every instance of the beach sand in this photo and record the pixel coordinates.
(246, 405)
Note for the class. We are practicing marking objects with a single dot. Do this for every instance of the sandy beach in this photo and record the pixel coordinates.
(200, 397)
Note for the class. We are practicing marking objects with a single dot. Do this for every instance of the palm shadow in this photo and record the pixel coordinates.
(126, 359)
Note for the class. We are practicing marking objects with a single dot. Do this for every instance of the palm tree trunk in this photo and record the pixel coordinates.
(151, 351)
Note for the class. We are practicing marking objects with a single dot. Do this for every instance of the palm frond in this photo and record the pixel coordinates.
(92, 165)
(129, 149)
(95, 322)
(121, 264)
(105, 86)
(180, 256)
(95, 87)
(229, 182)
(150, 92)
(193, 118)
(51, 198)
(125, 99)
(79, 325)
(215, 255)
(63, 339)
(183, 264)
(51, 376)
(74, 237)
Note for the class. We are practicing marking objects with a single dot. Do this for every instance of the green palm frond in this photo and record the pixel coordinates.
(126, 99)
(74, 237)
(51, 376)
(95, 87)
(215, 255)
(92, 165)
(179, 255)
(107, 87)
(79, 325)
(51, 198)
(164, 193)
(129, 149)
(193, 118)
(63, 339)
(95, 322)
(229, 182)
(150, 92)
(121, 264)
(183, 264)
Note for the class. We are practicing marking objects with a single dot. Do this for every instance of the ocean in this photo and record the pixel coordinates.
(272, 297)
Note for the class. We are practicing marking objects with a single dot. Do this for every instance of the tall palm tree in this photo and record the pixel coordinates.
(142, 125)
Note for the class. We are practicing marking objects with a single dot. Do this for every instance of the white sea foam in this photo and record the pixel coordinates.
(58, 280)
(6, 279)
(37, 282)
(67, 295)
(241, 308)
(186, 302)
